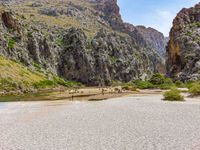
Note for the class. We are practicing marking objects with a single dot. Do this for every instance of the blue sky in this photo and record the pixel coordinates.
(158, 14)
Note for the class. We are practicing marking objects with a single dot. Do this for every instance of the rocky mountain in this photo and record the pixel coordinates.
(80, 40)
(154, 38)
(150, 36)
(184, 46)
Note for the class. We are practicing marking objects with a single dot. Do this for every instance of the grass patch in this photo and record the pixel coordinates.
(14, 76)
(66, 83)
(8, 84)
(56, 81)
(44, 84)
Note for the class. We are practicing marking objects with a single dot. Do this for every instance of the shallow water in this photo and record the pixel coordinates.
(28, 97)
(61, 95)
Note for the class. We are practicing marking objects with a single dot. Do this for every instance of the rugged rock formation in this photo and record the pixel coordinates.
(84, 41)
(184, 45)
(149, 36)
(154, 38)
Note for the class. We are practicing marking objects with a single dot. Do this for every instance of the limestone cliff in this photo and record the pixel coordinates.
(184, 47)
(84, 41)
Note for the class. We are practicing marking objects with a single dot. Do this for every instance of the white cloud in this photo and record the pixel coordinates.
(163, 21)
(157, 15)
(165, 14)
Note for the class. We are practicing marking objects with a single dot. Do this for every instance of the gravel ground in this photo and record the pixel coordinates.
(127, 123)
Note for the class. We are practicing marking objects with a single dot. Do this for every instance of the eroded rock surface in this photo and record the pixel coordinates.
(85, 41)
(184, 45)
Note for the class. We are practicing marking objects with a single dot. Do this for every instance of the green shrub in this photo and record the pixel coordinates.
(129, 88)
(55, 82)
(11, 43)
(8, 84)
(198, 24)
(168, 81)
(166, 86)
(195, 90)
(179, 84)
(113, 59)
(66, 83)
(44, 84)
(157, 79)
(37, 66)
(59, 42)
(118, 83)
(162, 82)
(189, 33)
(173, 95)
(190, 84)
(143, 84)
(30, 34)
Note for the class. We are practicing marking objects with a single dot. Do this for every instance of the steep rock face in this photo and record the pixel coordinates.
(86, 42)
(184, 46)
(149, 36)
(106, 58)
(111, 13)
(153, 37)
(9, 21)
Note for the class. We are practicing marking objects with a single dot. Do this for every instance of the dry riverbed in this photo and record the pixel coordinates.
(139, 121)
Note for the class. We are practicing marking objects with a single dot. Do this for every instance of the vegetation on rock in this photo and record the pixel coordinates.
(14, 76)
(157, 81)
